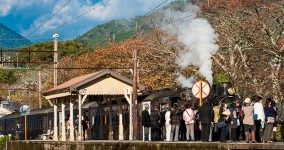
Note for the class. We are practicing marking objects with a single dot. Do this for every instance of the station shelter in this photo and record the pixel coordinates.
(105, 83)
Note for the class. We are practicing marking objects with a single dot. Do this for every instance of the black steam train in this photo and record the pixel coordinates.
(39, 121)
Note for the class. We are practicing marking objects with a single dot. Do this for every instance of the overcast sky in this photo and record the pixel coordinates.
(24, 16)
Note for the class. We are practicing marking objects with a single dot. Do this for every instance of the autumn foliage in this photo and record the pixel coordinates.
(251, 51)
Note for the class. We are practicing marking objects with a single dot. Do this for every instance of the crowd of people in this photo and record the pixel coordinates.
(253, 120)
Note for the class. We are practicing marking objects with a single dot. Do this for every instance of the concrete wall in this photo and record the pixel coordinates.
(133, 145)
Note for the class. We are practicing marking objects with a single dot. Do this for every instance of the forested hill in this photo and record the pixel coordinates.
(118, 30)
(10, 39)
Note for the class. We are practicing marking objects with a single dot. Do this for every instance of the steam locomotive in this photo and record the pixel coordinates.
(39, 121)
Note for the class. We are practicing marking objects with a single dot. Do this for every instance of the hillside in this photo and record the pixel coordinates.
(118, 30)
(10, 39)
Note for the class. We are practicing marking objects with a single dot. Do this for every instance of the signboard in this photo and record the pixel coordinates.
(201, 89)
(25, 110)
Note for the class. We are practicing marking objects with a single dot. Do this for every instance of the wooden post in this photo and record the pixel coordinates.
(55, 128)
(63, 131)
(120, 126)
(134, 98)
(26, 134)
(110, 131)
(55, 36)
(39, 89)
(200, 99)
(130, 119)
(101, 120)
(80, 118)
(71, 136)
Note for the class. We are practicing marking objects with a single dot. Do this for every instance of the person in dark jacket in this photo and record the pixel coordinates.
(224, 115)
(86, 124)
(163, 122)
(146, 122)
(206, 119)
(280, 113)
(175, 122)
(155, 121)
(232, 123)
(182, 127)
(270, 115)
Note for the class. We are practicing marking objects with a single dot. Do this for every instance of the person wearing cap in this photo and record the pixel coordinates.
(146, 122)
(258, 116)
(248, 121)
(270, 114)
(188, 117)
(231, 97)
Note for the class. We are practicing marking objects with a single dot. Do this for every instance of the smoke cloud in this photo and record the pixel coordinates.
(199, 40)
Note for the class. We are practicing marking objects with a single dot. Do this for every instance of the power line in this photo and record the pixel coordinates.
(48, 18)
(118, 31)
(17, 39)
(174, 21)
(75, 18)
(155, 8)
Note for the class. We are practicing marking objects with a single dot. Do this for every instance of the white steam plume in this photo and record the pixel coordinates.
(199, 40)
(185, 82)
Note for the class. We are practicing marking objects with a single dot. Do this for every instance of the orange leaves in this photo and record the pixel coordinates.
(156, 56)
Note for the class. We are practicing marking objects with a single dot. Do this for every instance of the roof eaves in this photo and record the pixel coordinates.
(69, 89)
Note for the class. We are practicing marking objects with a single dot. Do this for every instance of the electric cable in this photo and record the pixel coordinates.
(75, 18)
(48, 19)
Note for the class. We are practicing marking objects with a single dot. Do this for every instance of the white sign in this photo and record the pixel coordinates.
(25, 110)
(201, 88)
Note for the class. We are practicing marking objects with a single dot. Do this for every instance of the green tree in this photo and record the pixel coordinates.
(8, 76)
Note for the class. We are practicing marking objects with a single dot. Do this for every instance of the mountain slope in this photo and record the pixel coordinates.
(118, 30)
(10, 39)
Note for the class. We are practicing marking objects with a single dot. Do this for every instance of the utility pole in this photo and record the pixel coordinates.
(55, 36)
(39, 89)
(17, 60)
(55, 128)
(134, 97)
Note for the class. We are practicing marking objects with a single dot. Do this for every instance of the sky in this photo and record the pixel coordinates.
(30, 18)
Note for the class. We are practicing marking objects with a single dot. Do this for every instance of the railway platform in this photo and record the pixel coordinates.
(134, 145)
